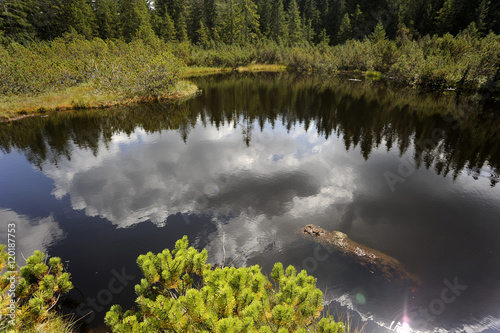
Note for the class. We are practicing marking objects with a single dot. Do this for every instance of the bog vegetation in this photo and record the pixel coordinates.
(139, 47)
(180, 292)
(127, 68)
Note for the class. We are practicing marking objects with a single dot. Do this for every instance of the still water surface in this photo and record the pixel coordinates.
(248, 163)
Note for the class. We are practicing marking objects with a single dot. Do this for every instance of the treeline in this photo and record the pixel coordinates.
(242, 22)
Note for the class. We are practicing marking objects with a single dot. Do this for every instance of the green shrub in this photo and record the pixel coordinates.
(38, 289)
(136, 68)
(180, 292)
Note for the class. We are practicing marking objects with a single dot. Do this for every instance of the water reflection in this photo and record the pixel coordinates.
(33, 233)
(448, 132)
(261, 156)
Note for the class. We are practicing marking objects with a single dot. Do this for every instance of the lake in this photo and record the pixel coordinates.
(242, 167)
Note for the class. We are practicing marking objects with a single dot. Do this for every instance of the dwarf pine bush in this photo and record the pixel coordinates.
(135, 68)
(38, 287)
(181, 292)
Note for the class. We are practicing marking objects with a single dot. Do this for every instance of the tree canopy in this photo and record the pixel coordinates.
(241, 21)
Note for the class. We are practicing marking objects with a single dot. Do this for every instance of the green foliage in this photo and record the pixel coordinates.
(246, 21)
(135, 19)
(39, 286)
(294, 24)
(181, 292)
(345, 30)
(108, 23)
(80, 17)
(137, 68)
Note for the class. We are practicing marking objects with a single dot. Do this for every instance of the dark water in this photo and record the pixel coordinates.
(251, 161)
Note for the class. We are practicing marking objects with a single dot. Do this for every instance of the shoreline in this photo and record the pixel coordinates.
(65, 100)
(83, 97)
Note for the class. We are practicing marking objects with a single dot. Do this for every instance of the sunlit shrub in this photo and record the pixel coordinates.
(225, 299)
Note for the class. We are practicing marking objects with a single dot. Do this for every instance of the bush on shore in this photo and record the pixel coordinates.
(136, 68)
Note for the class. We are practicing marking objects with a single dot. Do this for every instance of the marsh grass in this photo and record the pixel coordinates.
(194, 71)
(81, 97)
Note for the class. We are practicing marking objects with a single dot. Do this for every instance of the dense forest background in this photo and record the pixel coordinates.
(241, 22)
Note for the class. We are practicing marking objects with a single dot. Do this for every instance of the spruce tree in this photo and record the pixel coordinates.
(482, 14)
(446, 17)
(378, 34)
(333, 18)
(230, 22)
(181, 27)
(108, 25)
(345, 30)
(264, 9)
(165, 28)
(250, 20)
(311, 18)
(357, 23)
(203, 36)
(210, 16)
(294, 24)
(195, 10)
(278, 30)
(323, 38)
(135, 19)
(14, 21)
(80, 16)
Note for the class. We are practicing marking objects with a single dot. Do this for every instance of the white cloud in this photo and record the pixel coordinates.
(150, 177)
(30, 234)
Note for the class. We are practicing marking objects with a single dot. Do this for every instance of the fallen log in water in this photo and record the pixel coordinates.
(375, 261)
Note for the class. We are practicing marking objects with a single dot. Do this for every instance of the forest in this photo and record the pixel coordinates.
(241, 22)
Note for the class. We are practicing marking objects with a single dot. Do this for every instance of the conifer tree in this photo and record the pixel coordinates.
(278, 28)
(181, 27)
(311, 18)
(446, 16)
(203, 36)
(324, 39)
(80, 16)
(14, 20)
(357, 23)
(336, 11)
(482, 13)
(250, 20)
(378, 34)
(108, 25)
(194, 10)
(165, 28)
(230, 21)
(345, 30)
(264, 9)
(294, 24)
(38, 288)
(135, 19)
(210, 16)
(308, 30)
